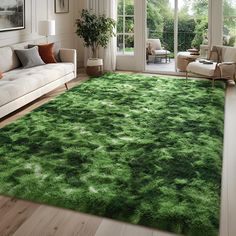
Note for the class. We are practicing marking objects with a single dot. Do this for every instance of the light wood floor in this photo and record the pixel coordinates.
(24, 218)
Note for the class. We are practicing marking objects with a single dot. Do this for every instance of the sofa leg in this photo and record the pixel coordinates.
(66, 86)
(186, 76)
(213, 83)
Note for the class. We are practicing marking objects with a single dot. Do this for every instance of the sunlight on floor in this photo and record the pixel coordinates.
(161, 66)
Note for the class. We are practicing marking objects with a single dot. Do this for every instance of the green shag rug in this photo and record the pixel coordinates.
(140, 149)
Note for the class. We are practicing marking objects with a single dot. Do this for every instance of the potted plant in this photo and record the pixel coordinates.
(96, 31)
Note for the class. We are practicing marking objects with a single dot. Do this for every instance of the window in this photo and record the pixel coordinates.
(229, 27)
(125, 27)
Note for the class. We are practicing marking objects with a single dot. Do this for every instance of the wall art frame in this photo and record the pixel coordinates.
(12, 15)
(61, 6)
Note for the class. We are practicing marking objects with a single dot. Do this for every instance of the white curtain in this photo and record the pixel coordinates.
(109, 8)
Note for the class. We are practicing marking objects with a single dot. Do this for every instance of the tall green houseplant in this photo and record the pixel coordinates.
(96, 30)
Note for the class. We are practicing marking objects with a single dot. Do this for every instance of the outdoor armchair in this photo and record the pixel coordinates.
(221, 64)
(156, 52)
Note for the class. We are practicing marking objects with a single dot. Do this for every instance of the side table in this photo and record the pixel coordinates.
(183, 58)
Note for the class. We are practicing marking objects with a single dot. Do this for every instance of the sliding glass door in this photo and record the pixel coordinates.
(160, 35)
(178, 25)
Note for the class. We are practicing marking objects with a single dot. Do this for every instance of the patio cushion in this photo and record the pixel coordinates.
(228, 54)
(202, 69)
(161, 52)
(155, 43)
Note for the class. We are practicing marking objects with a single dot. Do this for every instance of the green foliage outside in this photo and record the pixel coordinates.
(141, 149)
(200, 31)
(191, 26)
(185, 36)
(127, 22)
(229, 30)
(157, 13)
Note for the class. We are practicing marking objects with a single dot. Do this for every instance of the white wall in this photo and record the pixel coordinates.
(36, 10)
(79, 5)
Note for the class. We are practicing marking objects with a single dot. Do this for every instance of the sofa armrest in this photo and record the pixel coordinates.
(226, 63)
(227, 69)
(69, 55)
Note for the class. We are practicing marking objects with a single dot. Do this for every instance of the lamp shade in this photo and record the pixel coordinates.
(47, 27)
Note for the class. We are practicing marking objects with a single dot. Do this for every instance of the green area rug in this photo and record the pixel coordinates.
(141, 149)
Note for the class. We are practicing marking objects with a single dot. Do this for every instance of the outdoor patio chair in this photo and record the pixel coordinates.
(220, 65)
(155, 52)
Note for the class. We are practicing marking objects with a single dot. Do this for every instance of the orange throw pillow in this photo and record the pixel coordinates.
(46, 53)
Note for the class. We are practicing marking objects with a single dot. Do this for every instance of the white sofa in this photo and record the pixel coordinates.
(20, 86)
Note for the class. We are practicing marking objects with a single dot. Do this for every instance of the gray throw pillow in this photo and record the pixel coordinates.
(29, 57)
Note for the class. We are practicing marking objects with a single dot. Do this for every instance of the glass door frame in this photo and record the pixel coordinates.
(175, 38)
(212, 32)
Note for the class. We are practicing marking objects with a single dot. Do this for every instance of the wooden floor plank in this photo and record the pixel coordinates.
(6, 206)
(38, 222)
(160, 233)
(74, 224)
(137, 231)
(16, 215)
(108, 227)
(90, 226)
(3, 200)
(55, 221)
(228, 194)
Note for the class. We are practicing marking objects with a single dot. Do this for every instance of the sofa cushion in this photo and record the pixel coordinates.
(56, 49)
(161, 52)
(155, 43)
(8, 59)
(201, 69)
(16, 60)
(29, 57)
(228, 54)
(18, 82)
